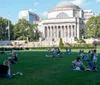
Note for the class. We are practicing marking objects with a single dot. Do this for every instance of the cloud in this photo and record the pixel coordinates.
(78, 2)
(98, 1)
(35, 3)
(45, 13)
(30, 10)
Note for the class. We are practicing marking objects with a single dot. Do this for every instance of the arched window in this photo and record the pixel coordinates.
(62, 15)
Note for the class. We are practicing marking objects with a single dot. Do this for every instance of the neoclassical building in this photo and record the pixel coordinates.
(64, 21)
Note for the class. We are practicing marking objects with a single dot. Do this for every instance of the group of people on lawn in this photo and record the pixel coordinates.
(90, 58)
(57, 53)
(5, 70)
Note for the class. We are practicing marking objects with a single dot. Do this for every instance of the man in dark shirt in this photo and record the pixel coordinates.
(3, 70)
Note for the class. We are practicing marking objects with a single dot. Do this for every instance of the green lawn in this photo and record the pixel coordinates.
(40, 70)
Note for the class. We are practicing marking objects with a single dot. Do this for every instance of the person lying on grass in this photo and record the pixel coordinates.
(91, 66)
(13, 59)
(5, 70)
(78, 64)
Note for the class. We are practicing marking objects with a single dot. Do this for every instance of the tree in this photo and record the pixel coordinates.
(3, 31)
(20, 29)
(23, 30)
(60, 43)
(93, 27)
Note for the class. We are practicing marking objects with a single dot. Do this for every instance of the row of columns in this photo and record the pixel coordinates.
(68, 31)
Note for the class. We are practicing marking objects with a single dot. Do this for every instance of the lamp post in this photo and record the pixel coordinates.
(8, 30)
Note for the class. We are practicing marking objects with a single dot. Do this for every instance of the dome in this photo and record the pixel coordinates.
(66, 5)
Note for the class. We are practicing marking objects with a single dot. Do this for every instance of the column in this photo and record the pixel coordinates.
(57, 32)
(50, 32)
(47, 32)
(61, 33)
(75, 31)
(54, 32)
(64, 31)
(68, 31)
(71, 31)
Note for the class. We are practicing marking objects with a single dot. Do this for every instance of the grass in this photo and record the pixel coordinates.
(40, 70)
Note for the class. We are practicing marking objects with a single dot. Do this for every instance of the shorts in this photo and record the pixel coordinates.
(93, 68)
(5, 76)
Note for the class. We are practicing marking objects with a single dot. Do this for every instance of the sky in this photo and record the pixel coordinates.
(10, 8)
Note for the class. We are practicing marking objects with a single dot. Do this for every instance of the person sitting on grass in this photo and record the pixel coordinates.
(79, 53)
(58, 53)
(5, 70)
(66, 51)
(69, 51)
(95, 58)
(78, 64)
(91, 66)
(13, 59)
(85, 57)
(54, 52)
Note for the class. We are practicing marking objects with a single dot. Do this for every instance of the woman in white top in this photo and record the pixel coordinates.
(77, 63)
(95, 55)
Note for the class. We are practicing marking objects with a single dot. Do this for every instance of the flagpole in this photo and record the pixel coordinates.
(8, 31)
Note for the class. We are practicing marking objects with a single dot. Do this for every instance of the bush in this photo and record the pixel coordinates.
(87, 46)
(60, 43)
(96, 43)
(81, 41)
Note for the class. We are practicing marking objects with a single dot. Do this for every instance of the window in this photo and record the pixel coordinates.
(62, 15)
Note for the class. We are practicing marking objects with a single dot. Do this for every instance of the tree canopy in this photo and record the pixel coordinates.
(23, 30)
(3, 30)
(93, 27)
